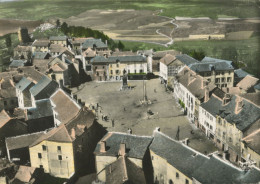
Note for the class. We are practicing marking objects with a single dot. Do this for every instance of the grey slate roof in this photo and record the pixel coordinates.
(210, 60)
(22, 141)
(44, 88)
(242, 120)
(209, 66)
(257, 87)
(114, 59)
(136, 145)
(205, 169)
(176, 154)
(240, 73)
(90, 43)
(58, 38)
(41, 55)
(23, 84)
(136, 58)
(187, 60)
(43, 109)
(18, 63)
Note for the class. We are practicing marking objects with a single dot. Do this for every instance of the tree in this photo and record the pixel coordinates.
(199, 55)
(58, 23)
(8, 41)
(64, 28)
(121, 45)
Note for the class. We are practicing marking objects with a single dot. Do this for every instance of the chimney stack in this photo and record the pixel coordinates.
(103, 146)
(226, 99)
(73, 133)
(129, 131)
(239, 104)
(206, 95)
(122, 149)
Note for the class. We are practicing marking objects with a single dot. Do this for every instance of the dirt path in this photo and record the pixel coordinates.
(170, 37)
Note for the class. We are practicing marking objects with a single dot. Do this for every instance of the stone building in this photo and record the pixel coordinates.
(40, 46)
(215, 71)
(61, 40)
(23, 35)
(94, 44)
(175, 162)
(234, 116)
(23, 93)
(68, 149)
(8, 98)
(191, 89)
(114, 146)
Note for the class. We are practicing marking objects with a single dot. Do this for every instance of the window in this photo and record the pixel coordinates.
(111, 72)
(41, 166)
(141, 71)
(44, 148)
(170, 182)
(223, 79)
(177, 175)
(135, 71)
(229, 79)
(59, 157)
(97, 73)
(117, 65)
(39, 155)
(186, 181)
(58, 148)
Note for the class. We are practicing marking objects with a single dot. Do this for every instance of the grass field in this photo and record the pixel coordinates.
(246, 51)
(44, 9)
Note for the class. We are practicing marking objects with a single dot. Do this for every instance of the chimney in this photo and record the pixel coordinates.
(73, 133)
(189, 78)
(79, 101)
(158, 129)
(74, 96)
(103, 146)
(61, 83)
(122, 149)
(239, 104)
(206, 95)
(129, 131)
(226, 99)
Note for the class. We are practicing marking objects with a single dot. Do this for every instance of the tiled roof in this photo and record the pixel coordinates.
(187, 60)
(57, 48)
(167, 59)
(4, 118)
(22, 141)
(58, 38)
(124, 53)
(242, 120)
(8, 93)
(136, 145)
(122, 169)
(252, 97)
(195, 83)
(44, 88)
(252, 140)
(257, 87)
(21, 48)
(136, 58)
(41, 43)
(25, 173)
(63, 104)
(65, 132)
(90, 43)
(23, 84)
(89, 53)
(247, 82)
(161, 54)
(31, 73)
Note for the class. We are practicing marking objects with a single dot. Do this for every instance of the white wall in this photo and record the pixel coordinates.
(163, 71)
(208, 121)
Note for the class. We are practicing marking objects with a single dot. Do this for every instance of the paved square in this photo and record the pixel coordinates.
(125, 109)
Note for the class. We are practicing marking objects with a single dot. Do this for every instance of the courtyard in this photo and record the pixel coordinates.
(121, 110)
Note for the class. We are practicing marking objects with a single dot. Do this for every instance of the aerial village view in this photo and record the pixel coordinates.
(129, 92)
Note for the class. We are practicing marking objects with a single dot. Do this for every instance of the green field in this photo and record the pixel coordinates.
(44, 9)
(246, 51)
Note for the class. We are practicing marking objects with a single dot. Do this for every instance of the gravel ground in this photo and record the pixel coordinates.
(125, 109)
